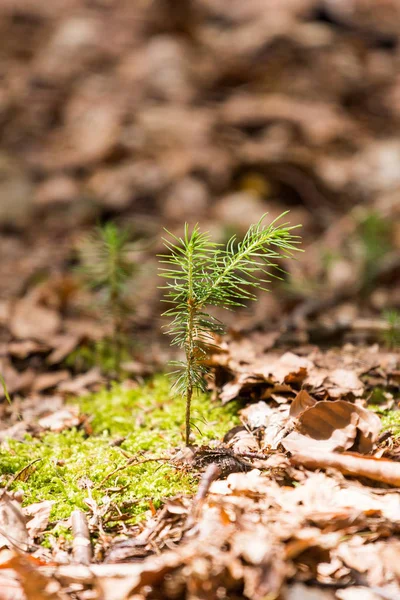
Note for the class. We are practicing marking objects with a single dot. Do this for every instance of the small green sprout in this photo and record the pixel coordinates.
(5, 390)
(392, 333)
(106, 266)
(201, 274)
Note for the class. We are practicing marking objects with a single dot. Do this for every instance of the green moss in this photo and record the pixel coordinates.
(150, 418)
(390, 420)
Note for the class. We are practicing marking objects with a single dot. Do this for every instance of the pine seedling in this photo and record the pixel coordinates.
(201, 274)
(106, 266)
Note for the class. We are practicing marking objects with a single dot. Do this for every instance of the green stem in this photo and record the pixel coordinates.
(190, 358)
(189, 393)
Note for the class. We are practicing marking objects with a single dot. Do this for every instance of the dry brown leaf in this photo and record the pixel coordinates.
(358, 593)
(61, 419)
(378, 562)
(62, 346)
(256, 415)
(241, 440)
(341, 382)
(39, 514)
(302, 401)
(289, 368)
(10, 588)
(338, 425)
(238, 386)
(379, 469)
(15, 381)
(340, 438)
(24, 348)
(35, 584)
(299, 591)
(13, 531)
(320, 122)
(44, 381)
(31, 320)
(81, 383)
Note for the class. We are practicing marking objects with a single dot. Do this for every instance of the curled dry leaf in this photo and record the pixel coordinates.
(339, 425)
(302, 401)
(349, 463)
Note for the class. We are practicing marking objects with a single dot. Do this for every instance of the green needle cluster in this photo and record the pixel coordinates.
(200, 273)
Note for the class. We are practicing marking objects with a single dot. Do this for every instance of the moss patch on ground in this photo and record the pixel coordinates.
(150, 418)
(390, 420)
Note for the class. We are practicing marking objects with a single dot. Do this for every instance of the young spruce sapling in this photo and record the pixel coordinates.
(200, 274)
(106, 266)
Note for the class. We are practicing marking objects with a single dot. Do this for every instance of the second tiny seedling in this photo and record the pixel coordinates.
(200, 274)
(107, 267)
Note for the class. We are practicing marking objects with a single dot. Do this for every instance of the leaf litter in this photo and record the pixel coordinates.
(296, 502)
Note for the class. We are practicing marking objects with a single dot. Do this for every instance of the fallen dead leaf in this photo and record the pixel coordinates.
(29, 319)
(257, 415)
(24, 348)
(39, 514)
(62, 346)
(61, 419)
(302, 401)
(45, 381)
(10, 588)
(34, 583)
(15, 381)
(358, 593)
(81, 383)
(341, 382)
(289, 368)
(239, 386)
(299, 591)
(13, 530)
(340, 424)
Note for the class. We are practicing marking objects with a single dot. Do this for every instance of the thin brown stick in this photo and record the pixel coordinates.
(130, 462)
(81, 546)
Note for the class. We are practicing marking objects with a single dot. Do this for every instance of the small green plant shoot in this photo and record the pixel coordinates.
(106, 266)
(392, 333)
(5, 390)
(200, 274)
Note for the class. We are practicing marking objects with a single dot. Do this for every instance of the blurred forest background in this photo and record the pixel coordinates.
(151, 113)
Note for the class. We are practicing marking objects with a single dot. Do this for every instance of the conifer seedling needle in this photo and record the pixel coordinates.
(200, 274)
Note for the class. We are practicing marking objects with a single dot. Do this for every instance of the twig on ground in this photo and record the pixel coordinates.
(212, 473)
(131, 462)
(81, 546)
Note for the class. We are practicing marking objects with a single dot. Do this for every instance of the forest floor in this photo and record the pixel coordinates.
(148, 116)
(290, 489)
